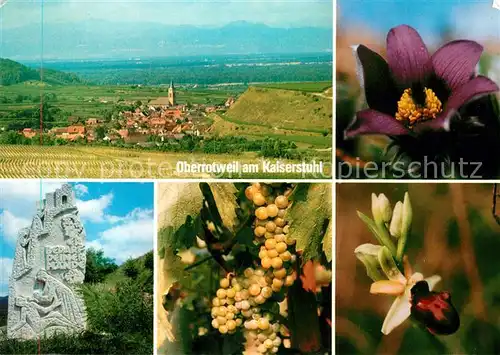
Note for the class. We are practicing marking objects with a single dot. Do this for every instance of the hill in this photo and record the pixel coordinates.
(282, 109)
(12, 72)
(140, 270)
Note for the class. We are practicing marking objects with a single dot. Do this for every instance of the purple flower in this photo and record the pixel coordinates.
(412, 91)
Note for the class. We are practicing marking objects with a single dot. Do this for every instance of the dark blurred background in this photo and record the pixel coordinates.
(454, 235)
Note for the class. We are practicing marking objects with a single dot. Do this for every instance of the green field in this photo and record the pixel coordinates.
(313, 86)
(18, 161)
(90, 101)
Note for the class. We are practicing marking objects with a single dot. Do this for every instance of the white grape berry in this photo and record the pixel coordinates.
(281, 201)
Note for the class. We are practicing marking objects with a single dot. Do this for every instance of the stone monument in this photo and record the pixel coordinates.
(48, 267)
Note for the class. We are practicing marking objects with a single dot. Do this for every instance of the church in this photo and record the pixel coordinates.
(168, 101)
(171, 94)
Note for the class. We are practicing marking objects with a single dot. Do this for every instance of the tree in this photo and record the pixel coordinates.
(149, 261)
(98, 266)
(100, 132)
(130, 269)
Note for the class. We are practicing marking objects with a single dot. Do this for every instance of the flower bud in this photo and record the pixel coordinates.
(381, 209)
(397, 220)
(407, 215)
(406, 219)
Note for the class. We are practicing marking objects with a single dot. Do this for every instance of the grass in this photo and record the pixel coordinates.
(318, 86)
(283, 109)
(17, 161)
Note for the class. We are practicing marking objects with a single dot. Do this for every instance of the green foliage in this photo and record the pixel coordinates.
(85, 343)
(12, 72)
(130, 269)
(310, 219)
(149, 261)
(98, 266)
(123, 309)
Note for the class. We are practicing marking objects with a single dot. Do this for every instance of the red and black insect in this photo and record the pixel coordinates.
(434, 310)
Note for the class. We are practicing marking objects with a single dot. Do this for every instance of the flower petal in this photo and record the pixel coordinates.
(416, 277)
(368, 249)
(375, 79)
(473, 89)
(387, 287)
(398, 313)
(456, 62)
(374, 122)
(432, 281)
(389, 267)
(368, 255)
(407, 55)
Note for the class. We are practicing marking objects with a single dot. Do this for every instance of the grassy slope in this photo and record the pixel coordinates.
(287, 109)
(286, 114)
(119, 275)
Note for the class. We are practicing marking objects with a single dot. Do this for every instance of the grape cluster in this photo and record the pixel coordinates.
(271, 231)
(237, 302)
(238, 298)
(263, 336)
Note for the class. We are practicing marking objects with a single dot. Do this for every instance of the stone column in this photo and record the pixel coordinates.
(48, 267)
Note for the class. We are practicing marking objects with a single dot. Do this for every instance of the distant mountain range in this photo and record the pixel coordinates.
(12, 72)
(99, 39)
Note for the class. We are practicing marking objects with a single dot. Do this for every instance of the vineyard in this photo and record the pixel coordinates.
(17, 161)
(244, 268)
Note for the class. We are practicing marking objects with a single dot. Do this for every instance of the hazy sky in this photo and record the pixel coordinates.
(279, 13)
(474, 19)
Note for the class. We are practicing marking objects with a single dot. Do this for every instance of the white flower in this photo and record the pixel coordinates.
(400, 286)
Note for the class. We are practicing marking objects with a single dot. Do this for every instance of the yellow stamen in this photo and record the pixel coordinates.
(411, 113)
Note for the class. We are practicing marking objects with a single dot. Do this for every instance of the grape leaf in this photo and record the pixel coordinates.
(176, 202)
(225, 200)
(178, 209)
(309, 217)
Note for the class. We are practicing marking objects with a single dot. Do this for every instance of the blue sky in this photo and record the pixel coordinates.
(118, 217)
(280, 13)
(474, 19)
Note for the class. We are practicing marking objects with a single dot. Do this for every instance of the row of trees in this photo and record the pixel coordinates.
(268, 147)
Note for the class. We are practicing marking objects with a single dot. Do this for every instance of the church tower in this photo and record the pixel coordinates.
(171, 94)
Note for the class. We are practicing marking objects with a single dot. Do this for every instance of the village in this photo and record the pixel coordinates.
(158, 120)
